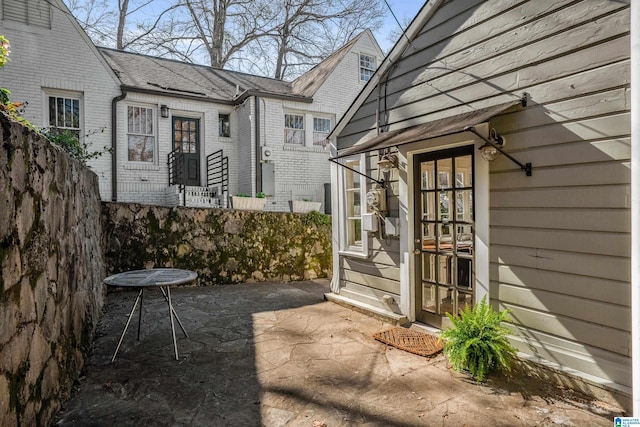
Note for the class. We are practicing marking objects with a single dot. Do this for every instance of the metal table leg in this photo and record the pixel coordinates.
(140, 314)
(173, 329)
(133, 309)
(174, 312)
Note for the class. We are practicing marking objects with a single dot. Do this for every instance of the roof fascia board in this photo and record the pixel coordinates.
(176, 95)
(400, 47)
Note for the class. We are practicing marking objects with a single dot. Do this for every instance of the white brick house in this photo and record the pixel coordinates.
(271, 132)
(59, 73)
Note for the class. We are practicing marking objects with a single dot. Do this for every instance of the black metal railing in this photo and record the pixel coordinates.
(218, 176)
(175, 160)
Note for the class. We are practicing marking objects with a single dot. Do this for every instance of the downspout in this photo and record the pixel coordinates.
(635, 205)
(114, 144)
(258, 152)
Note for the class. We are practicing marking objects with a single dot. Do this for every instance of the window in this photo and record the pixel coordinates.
(367, 67)
(353, 206)
(321, 129)
(294, 129)
(30, 12)
(140, 134)
(224, 125)
(64, 114)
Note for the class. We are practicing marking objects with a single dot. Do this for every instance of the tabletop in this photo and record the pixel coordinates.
(151, 277)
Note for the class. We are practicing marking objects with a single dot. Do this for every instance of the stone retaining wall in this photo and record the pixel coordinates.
(57, 243)
(51, 270)
(222, 245)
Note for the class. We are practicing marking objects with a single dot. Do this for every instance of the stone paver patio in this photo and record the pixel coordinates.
(277, 354)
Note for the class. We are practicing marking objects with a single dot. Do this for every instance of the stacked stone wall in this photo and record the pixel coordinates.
(222, 245)
(51, 271)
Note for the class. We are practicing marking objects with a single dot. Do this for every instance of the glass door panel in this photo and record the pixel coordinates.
(444, 221)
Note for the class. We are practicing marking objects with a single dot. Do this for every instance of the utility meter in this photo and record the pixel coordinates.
(376, 199)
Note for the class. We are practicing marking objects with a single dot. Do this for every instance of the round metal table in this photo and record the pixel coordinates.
(154, 277)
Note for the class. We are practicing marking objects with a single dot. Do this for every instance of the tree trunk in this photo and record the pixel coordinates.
(122, 20)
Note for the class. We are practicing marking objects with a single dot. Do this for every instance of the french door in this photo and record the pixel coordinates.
(444, 233)
(186, 139)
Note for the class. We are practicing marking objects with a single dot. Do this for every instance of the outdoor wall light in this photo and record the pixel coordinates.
(488, 151)
(164, 111)
(387, 162)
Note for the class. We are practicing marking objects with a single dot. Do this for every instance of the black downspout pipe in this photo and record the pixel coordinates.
(258, 152)
(114, 144)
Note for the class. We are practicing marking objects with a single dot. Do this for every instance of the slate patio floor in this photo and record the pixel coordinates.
(277, 354)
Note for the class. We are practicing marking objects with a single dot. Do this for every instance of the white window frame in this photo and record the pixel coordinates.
(294, 130)
(220, 133)
(367, 65)
(346, 214)
(137, 132)
(320, 135)
(66, 96)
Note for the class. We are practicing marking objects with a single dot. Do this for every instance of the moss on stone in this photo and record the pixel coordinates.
(17, 381)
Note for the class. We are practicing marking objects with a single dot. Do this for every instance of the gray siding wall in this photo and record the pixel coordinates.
(560, 240)
(370, 280)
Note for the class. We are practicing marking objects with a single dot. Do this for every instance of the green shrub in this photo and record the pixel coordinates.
(478, 342)
(317, 218)
(70, 143)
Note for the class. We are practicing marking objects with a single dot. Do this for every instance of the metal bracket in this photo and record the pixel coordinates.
(525, 167)
(377, 181)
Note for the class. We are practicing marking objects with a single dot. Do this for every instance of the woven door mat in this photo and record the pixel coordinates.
(416, 342)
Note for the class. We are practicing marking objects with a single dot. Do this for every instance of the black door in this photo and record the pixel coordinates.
(186, 140)
(444, 224)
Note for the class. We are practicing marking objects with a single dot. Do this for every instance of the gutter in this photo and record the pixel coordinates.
(258, 153)
(114, 143)
(250, 92)
(177, 95)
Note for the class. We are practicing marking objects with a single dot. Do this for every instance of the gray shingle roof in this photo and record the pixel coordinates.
(172, 77)
(184, 79)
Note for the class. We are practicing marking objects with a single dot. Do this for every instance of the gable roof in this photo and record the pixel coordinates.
(403, 43)
(62, 7)
(309, 83)
(151, 74)
(171, 77)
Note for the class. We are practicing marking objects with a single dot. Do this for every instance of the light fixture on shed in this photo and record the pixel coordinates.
(490, 151)
(164, 111)
(387, 162)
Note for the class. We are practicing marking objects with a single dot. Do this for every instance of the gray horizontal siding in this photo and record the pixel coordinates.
(560, 239)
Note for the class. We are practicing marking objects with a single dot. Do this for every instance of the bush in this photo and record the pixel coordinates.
(70, 143)
(478, 342)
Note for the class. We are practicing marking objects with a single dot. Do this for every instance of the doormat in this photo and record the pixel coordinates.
(416, 342)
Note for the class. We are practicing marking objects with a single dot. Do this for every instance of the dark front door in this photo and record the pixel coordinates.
(186, 140)
(444, 224)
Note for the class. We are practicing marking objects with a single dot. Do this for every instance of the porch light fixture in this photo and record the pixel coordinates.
(489, 151)
(387, 162)
(164, 111)
(493, 148)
